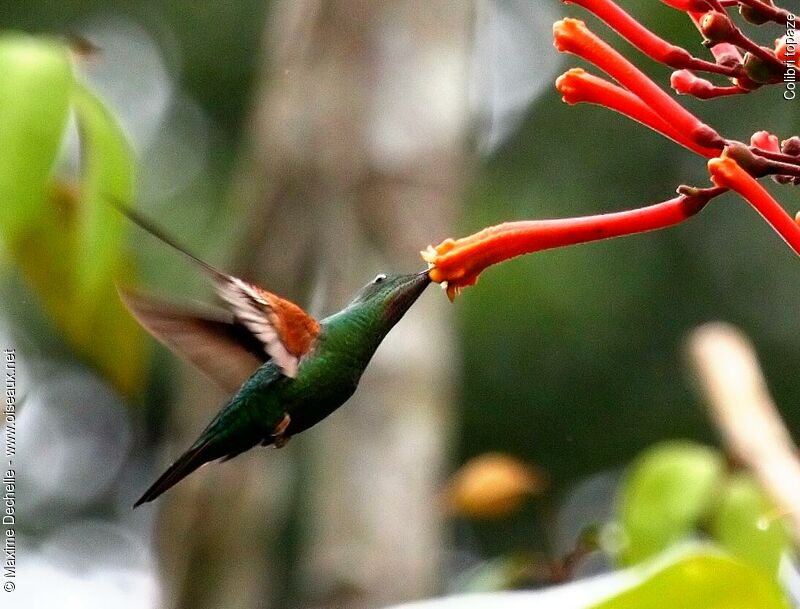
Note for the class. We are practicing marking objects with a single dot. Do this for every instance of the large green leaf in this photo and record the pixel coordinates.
(668, 489)
(36, 84)
(110, 337)
(745, 525)
(703, 581)
(66, 241)
(106, 178)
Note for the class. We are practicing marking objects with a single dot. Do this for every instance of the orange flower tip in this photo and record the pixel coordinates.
(797, 218)
(568, 33)
(724, 171)
(765, 141)
(568, 85)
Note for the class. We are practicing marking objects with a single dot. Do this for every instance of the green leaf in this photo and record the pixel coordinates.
(742, 524)
(107, 166)
(106, 178)
(67, 242)
(668, 489)
(703, 581)
(36, 83)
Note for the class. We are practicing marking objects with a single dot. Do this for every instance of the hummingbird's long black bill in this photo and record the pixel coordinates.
(406, 293)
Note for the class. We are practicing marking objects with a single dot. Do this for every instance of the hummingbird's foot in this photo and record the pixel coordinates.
(279, 431)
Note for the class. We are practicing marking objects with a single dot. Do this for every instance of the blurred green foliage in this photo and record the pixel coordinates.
(703, 581)
(35, 94)
(748, 526)
(66, 241)
(677, 489)
(674, 494)
(668, 489)
(674, 491)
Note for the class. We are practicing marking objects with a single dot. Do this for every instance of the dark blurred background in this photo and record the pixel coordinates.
(309, 145)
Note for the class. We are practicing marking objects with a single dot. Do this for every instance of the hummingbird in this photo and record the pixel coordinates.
(286, 370)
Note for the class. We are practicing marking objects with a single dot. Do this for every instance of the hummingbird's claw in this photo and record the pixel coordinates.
(278, 433)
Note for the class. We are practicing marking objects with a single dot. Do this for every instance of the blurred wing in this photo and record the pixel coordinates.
(286, 331)
(227, 352)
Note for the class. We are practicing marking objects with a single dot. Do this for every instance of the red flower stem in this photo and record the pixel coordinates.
(685, 82)
(783, 169)
(715, 92)
(726, 173)
(780, 157)
(764, 54)
(577, 85)
(572, 36)
(646, 41)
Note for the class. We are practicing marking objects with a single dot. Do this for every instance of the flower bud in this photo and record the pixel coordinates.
(753, 14)
(765, 140)
(716, 27)
(762, 72)
(791, 146)
(492, 485)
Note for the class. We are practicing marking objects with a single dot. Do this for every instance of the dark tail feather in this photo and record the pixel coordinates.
(145, 224)
(190, 460)
(225, 437)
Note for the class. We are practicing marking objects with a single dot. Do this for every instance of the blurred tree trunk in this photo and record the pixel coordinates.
(357, 161)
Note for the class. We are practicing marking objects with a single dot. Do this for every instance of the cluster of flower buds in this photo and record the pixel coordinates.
(733, 165)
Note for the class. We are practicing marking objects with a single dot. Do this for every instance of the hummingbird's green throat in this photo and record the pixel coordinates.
(286, 370)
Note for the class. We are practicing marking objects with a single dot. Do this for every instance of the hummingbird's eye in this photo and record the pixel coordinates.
(380, 278)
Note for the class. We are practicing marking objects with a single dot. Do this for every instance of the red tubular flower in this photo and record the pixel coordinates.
(572, 36)
(646, 41)
(634, 32)
(577, 85)
(726, 173)
(459, 262)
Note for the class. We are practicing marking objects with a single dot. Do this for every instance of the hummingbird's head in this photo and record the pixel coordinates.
(388, 297)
